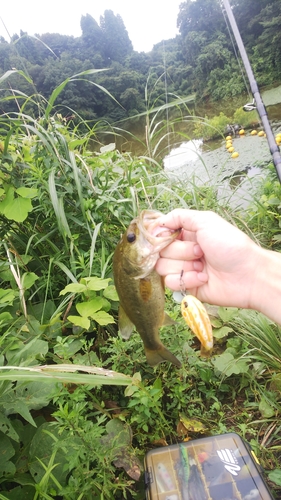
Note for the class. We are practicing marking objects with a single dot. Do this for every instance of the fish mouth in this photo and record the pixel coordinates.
(151, 239)
(157, 236)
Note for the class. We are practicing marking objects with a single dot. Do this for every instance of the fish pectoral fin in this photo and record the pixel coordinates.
(125, 324)
(156, 356)
(167, 320)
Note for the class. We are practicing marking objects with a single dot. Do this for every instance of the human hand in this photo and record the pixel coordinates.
(212, 259)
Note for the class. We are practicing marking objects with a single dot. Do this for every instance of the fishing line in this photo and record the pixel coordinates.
(274, 149)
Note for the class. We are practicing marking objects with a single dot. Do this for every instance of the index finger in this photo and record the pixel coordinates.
(190, 220)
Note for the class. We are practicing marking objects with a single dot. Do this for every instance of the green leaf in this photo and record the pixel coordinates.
(103, 318)
(215, 322)
(5, 317)
(266, 409)
(7, 296)
(27, 352)
(68, 349)
(7, 428)
(19, 72)
(41, 449)
(18, 209)
(7, 468)
(228, 365)
(76, 142)
(25, 192)
(86, 309)
(277, 237)
(80, 321)
(94, 376)
(275, 384)
(227, 313)
(8, 200)
(119, 432)
(74, 288)
(28, 280)
(275, 476)
(95, 283)
(111, 293)
(26, 397)
(222, 332)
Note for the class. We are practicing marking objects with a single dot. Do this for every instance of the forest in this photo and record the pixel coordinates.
(201, 60)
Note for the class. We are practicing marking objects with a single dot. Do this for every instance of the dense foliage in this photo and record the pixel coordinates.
(200, 59)
(67, 428)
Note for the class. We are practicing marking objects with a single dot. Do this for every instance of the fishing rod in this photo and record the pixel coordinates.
(257, 103)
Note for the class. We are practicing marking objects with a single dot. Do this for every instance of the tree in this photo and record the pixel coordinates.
(92, 36)
(200, 15)
(117, 44)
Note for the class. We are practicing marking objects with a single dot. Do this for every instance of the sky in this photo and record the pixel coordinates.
(148, 21)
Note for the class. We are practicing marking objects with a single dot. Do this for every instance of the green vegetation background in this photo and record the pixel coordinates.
(68, 427)
(199, 60)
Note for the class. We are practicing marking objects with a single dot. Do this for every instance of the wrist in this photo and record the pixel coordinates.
(266, 284)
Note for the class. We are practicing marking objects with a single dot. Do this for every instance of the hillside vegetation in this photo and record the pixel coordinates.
(200, 59)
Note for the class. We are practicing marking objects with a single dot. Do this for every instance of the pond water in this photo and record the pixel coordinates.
(212, 163)
(185, 159)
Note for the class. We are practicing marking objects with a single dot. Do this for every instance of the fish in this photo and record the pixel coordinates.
(140, 288)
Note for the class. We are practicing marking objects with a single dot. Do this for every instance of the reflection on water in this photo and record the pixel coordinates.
(190, 160)
(188, 151)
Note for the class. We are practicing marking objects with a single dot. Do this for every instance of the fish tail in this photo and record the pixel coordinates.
(159, 355)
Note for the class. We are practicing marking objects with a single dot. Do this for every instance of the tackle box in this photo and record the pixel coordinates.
(220, 467)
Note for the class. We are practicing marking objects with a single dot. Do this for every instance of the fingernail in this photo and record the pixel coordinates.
(197, 251)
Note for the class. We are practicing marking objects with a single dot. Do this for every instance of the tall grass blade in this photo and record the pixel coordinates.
(58, 207)
(94, 376)
(93, 246)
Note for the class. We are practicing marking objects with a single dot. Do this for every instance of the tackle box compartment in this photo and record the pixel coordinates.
(221, 467)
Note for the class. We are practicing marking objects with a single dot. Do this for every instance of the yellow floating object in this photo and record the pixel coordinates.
(228, 144)
(196, 316)
(242, 131)
(261, 133)
(235, 154)
(253, 132)
(231, 149)
(228, 138)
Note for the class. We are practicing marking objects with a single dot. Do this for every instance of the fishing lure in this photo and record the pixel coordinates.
(198, 321)
(163, 478)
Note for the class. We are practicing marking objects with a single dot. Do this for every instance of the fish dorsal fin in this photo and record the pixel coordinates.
(167, 320)
(125, 324)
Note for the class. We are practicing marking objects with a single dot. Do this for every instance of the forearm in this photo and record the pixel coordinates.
(266, 286)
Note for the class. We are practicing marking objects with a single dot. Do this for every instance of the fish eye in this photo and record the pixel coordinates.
(131, 237)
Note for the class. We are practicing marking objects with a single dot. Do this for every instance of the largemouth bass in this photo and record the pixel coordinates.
(139, 286)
